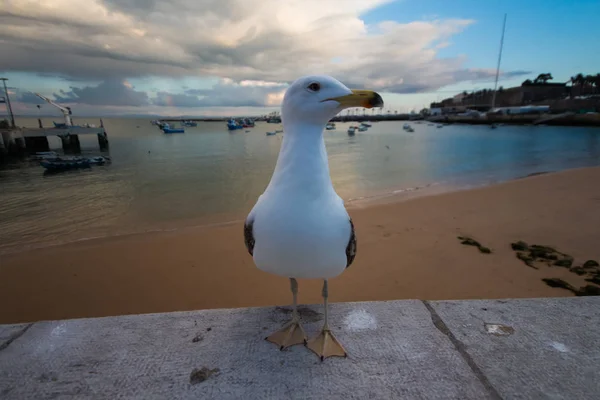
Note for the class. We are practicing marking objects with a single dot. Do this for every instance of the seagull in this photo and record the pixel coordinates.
(299, 227)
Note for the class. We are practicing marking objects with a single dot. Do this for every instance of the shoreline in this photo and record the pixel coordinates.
(407, 249)
(390, 195)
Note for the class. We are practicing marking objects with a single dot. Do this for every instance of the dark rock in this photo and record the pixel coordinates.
(519, 246)
(484, 250)
(202, 374)
(526, 259)
(595, 279)
(578, 270)
(565, 262)
(545, 249)
(588, 290)
(557, 283)
(469, 241)
(590, 264)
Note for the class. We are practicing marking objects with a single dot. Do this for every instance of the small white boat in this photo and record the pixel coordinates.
(362, 128)
(406, 126)
(271, 133)
(351, 130)
(330, 126)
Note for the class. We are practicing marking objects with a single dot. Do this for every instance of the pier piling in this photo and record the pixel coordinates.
(37, 143)
(71, 143)
(103, 141)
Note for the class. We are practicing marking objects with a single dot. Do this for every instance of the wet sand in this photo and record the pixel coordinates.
(406, 250)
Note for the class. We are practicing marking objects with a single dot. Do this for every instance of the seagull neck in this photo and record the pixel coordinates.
(302, 163)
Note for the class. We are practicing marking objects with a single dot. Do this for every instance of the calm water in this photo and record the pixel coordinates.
(208, 175)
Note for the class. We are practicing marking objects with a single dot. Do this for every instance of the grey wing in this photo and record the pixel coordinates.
(351, 247)
(249, 235)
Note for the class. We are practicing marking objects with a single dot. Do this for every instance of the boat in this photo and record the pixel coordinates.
(409, 129)
(271, 133)
(368, 125)
(248, 123)
(351, 130)
(63, 164)
(406, 126)
(233, 125)
(189, 123)
(45, 155)
(99, 160)
(362, 128)
(330, 126)
(166, 128)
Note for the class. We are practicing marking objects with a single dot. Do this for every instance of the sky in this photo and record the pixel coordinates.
(236, 57)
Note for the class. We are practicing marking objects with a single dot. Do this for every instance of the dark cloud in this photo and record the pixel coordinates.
(111, 92)
(29, 98)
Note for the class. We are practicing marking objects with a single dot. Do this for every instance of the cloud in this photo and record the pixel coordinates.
(110, 92)
(255, 47)
(227, 93)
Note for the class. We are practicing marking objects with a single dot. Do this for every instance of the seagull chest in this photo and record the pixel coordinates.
(301, 239)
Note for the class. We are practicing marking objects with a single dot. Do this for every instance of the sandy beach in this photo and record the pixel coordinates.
(406, 250)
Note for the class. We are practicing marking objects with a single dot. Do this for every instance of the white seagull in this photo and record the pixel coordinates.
(299, 227)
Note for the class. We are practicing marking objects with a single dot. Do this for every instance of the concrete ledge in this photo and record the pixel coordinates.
(489, 349)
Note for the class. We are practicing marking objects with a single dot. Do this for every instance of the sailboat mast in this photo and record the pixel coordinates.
(499, 59)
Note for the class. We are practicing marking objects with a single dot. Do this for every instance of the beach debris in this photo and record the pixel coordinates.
(306, 313)
(595, 279)
(499, 329)
(519, 246)
(197, 338)
(587, 290)
(468, 241)
(565, 262)
(542, 254)
(535, 255)
(526, 259)
(202, 374)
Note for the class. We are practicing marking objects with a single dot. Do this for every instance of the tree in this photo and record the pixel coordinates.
(500, 89)
(526, 82)
(543, 78)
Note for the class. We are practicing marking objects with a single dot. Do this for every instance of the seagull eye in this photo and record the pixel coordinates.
(315, 87)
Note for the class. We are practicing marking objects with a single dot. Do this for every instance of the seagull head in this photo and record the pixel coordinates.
(316, 99)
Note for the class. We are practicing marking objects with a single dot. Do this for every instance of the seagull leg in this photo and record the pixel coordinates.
(325, 344)
(292, 332)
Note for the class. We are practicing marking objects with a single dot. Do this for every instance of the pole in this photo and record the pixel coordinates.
(12, 117)
(498, 66)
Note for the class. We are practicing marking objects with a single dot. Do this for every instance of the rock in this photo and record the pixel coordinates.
(202, 374)
(590, 264)
(558, 283)
(578, 270)
(595, 279)
(526, 259)
(565, 262)
(519, 246)
(588, 290)
(469, 241)
(484, 250)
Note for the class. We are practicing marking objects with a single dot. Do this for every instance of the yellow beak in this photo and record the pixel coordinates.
(360, 98)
